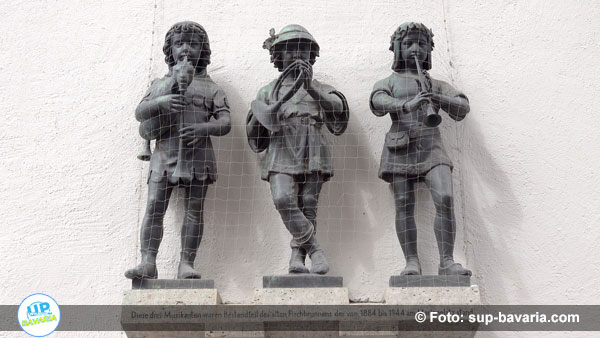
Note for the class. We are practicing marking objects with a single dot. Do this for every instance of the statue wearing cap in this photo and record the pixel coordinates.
(287, 120)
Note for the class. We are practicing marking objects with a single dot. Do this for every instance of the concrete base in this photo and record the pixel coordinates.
(302, 296)
(172, 297)
(169, 297)
(425, 295)
(172, 284)
(429, 281)
(302, 281)
(452, 295)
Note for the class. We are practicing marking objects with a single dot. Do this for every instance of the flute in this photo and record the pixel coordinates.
(432, 119)
(185, 75)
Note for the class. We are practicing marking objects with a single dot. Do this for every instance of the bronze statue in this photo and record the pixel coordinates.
(287, 119)
(413, 150)
(181, 111)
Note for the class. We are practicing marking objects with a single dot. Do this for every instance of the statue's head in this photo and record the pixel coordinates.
(189, 39)
(292, 42)
(409, 38)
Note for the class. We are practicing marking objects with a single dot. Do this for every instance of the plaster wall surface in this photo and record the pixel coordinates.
(526, 183)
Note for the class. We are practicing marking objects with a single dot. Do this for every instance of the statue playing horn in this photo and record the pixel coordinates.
(287, 119)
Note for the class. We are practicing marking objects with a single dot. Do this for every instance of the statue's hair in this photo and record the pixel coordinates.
(277, 50)
(396, 40)
(186, 27)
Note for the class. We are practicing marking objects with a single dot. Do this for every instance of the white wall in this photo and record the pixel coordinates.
(526, 182)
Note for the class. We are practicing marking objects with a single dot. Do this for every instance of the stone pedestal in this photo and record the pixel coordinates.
(156, 284)
(302, 289)
(169, 292)
(429, 281)
(426, 290)
(430, 290)
(302, 281)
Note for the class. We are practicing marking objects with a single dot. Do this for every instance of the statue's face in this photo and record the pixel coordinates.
(295, 50)
(415, 43)
(187, 44)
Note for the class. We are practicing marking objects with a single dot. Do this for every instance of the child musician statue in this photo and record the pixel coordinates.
(287, 120)
(181, 111)
(413, 150)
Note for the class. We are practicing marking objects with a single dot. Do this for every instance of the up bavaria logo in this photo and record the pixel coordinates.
(38, 315)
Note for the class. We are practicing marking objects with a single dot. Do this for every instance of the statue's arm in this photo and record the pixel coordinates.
(382, 101)
(156, 99)
(148, 109)
(154, 110)
(221, 123)
(334, 105)
(328, 100)
(453, 102)
(160, 121)
(457, 107)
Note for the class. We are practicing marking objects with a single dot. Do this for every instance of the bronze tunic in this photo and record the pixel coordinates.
(299, 147)
(424, 149)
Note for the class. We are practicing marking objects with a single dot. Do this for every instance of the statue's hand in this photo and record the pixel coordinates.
(307, 71)
(416, 102)
(172, 103)
(193, 131)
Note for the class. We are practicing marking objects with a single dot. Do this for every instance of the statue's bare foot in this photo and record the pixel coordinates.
(297, 261)
(412, 268)
(187, 271)
(142, 271)
(319, 263)
(452, 268)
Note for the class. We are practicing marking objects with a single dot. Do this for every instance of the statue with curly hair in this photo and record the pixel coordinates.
(413, 150)
(180, 111)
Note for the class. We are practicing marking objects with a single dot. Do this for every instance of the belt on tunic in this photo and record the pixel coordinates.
(414, 133)
(307, 120)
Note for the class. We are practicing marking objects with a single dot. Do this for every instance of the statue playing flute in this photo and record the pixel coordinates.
(413, 150)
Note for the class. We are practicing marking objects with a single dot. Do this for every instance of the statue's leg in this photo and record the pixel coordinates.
(151, 232)
(298, 255)
(406, 228)
(285, 197)
(192, 229)
(439, 181)
(309, 195)
(308, 198)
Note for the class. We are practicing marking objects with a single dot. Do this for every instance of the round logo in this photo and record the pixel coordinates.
(38, 315)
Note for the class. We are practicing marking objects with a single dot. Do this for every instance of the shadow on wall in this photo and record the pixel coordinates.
(491, 208)
(347, 224)
(248, 240)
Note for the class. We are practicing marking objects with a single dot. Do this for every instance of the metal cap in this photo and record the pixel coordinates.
(289, 32)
